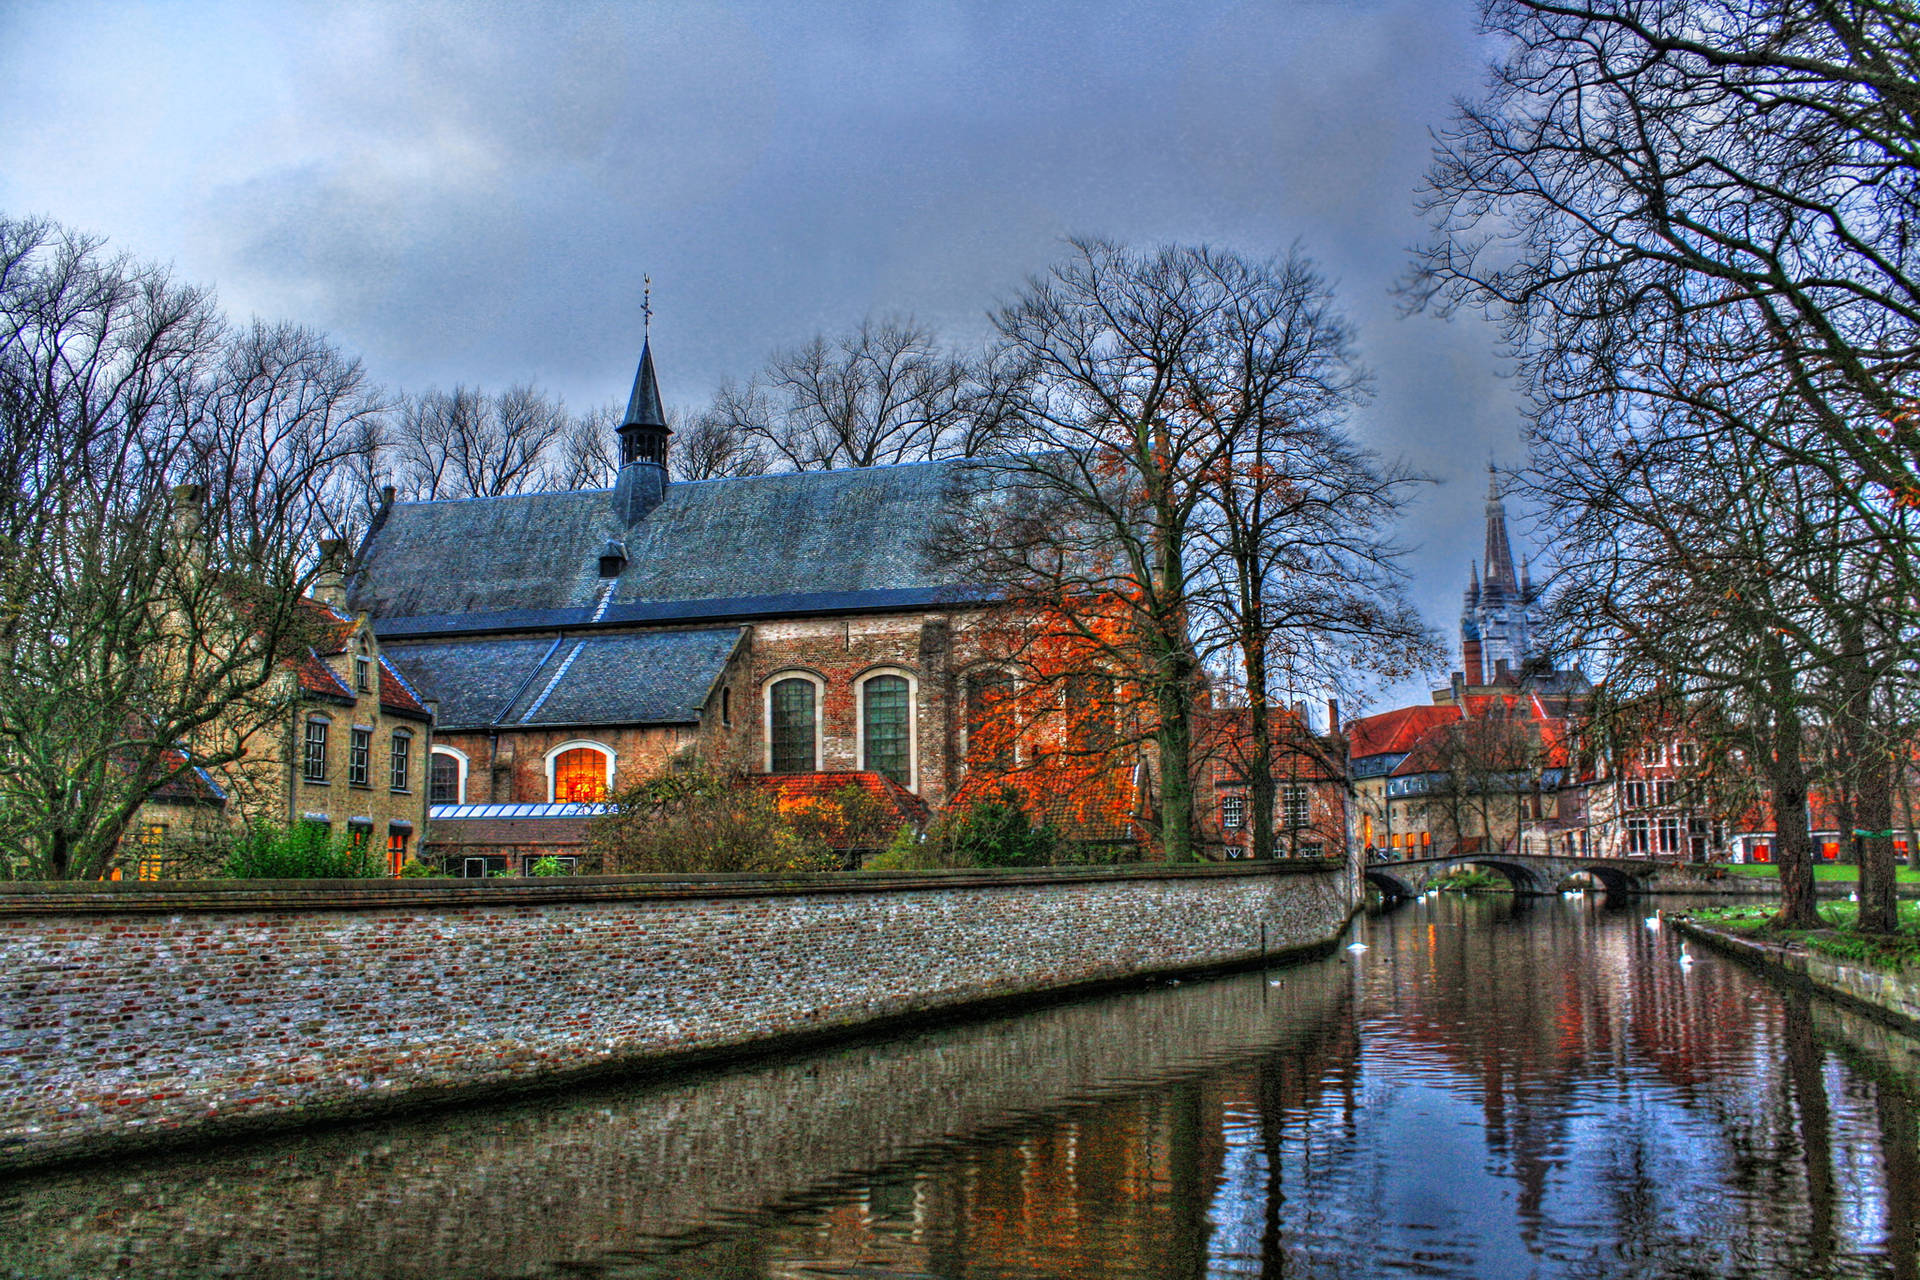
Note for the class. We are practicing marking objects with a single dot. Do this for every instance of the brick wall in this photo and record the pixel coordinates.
(137, 1014)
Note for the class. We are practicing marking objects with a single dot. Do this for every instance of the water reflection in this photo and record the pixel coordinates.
(1491, 1089)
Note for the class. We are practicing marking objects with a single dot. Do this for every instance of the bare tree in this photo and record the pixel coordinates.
(1132, 364)
(165, 475)
(725, 439)
(587, 454)
(883, 393)
(1297, 573)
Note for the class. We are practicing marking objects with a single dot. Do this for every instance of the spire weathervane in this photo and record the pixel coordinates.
(646, 306)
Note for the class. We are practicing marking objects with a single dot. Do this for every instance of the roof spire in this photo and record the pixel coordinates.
(646, 309)
(643, 406)
(1500, 575)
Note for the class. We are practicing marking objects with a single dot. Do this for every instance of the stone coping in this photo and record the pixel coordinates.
(1893, 996)
(167, 897)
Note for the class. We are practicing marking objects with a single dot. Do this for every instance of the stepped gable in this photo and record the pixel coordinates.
(655, 677)
(815, 541)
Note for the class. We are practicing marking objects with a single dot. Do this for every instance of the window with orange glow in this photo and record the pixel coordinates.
(580, 776)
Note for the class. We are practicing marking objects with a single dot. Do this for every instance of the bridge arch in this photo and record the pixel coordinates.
(1523, 878)
(1612, 879)
(1391, 888)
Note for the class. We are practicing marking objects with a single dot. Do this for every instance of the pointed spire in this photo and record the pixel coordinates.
(1500, 574)
(643, 406)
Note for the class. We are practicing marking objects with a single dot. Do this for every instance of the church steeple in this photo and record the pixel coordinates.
(1499, 549)
(642, 484)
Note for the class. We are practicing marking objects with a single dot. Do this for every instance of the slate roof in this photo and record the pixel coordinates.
(815, 541)
(656, 677)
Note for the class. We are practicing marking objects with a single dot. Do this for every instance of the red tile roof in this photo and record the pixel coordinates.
(1391, 732)
(317, 677)
(397, 695)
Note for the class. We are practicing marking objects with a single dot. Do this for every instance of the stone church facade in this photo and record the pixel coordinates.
(575, 642)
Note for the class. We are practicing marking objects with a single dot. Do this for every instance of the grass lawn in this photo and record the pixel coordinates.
(1839, 939)
(1821, 871)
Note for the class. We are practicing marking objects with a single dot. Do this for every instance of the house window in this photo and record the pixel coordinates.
(1636, 795)
(358, 833)
(401, 757)
(1637, 836)
(396, 849)
(792, 726)
(990, 723)
(359, 750)
(1233, 812)
(363, 673)
(1669, 835)
(1089, 713)
(154, 864)
(1293, 806)
(726, 708)
(446, 777)
(1688, 754)
(314, 763)
(1651, 753)
(1663, 792)
(886, 707)
(579, 775)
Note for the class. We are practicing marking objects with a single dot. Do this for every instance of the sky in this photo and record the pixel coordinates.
(472, 194)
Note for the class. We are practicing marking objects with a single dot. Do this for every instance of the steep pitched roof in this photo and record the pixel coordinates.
(396, 694)
(643, 405)
(1394, 732)
(815, 541)
(656, 677)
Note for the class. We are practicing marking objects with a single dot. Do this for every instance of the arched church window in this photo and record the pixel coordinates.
(580, 775)
(886, 708)
(791, 720)
(990, 721)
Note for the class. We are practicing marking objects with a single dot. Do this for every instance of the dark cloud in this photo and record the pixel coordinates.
(473, 193)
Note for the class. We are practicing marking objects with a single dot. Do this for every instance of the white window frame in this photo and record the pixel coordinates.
(394, 739)
(819, 715)
(913, 720)
(1233, 812)
(460, 760)
(326, 749)
(574, 744)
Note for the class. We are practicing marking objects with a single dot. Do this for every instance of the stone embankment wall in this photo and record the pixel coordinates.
(1890, 994)
(565, 1180)
(135, 1015)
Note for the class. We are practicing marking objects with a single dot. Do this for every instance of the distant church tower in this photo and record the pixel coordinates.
(1494, 621)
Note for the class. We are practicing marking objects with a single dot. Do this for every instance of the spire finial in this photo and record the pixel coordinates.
(646, 306)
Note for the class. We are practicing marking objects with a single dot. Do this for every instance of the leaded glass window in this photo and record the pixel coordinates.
(886, 728)
(580, 776)
(990, 724)
(443, 779)
(793, 726)
(314, 761)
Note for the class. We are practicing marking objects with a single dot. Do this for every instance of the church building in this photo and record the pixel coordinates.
(577, 641)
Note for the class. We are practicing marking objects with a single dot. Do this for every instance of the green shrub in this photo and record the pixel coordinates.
(909, 851)
(697, 818)
(414, 869)
(548, 866)
(306, 851)
(991, 833)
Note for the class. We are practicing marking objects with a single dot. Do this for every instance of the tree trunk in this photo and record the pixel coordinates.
(1174, 736)
(1261, 788)
(1879, 870)
(1793, 846)
(1906, 812)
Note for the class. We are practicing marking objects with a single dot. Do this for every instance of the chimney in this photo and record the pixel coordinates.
(1333, 715)
(330, 578)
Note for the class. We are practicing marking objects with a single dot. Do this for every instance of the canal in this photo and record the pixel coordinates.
(1487, 1089)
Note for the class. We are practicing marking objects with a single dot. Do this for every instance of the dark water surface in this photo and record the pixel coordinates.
(1489, 1089)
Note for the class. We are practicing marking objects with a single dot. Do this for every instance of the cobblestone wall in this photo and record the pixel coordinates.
(133, 1015)
(536, 1187)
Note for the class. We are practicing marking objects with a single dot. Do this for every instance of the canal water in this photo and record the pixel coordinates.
(1488, 1089)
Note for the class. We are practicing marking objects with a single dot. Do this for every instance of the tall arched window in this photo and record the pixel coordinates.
(792, 725)
(990, 722)
(886, 726)
(579, 773)
(447, 776)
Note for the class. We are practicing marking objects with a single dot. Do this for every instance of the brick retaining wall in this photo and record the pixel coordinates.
(135, 1015)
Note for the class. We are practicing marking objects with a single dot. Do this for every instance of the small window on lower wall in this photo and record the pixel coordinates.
(396, 849)
(549, 864)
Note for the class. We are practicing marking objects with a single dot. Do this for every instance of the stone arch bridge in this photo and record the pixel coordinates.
(1530, 874)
